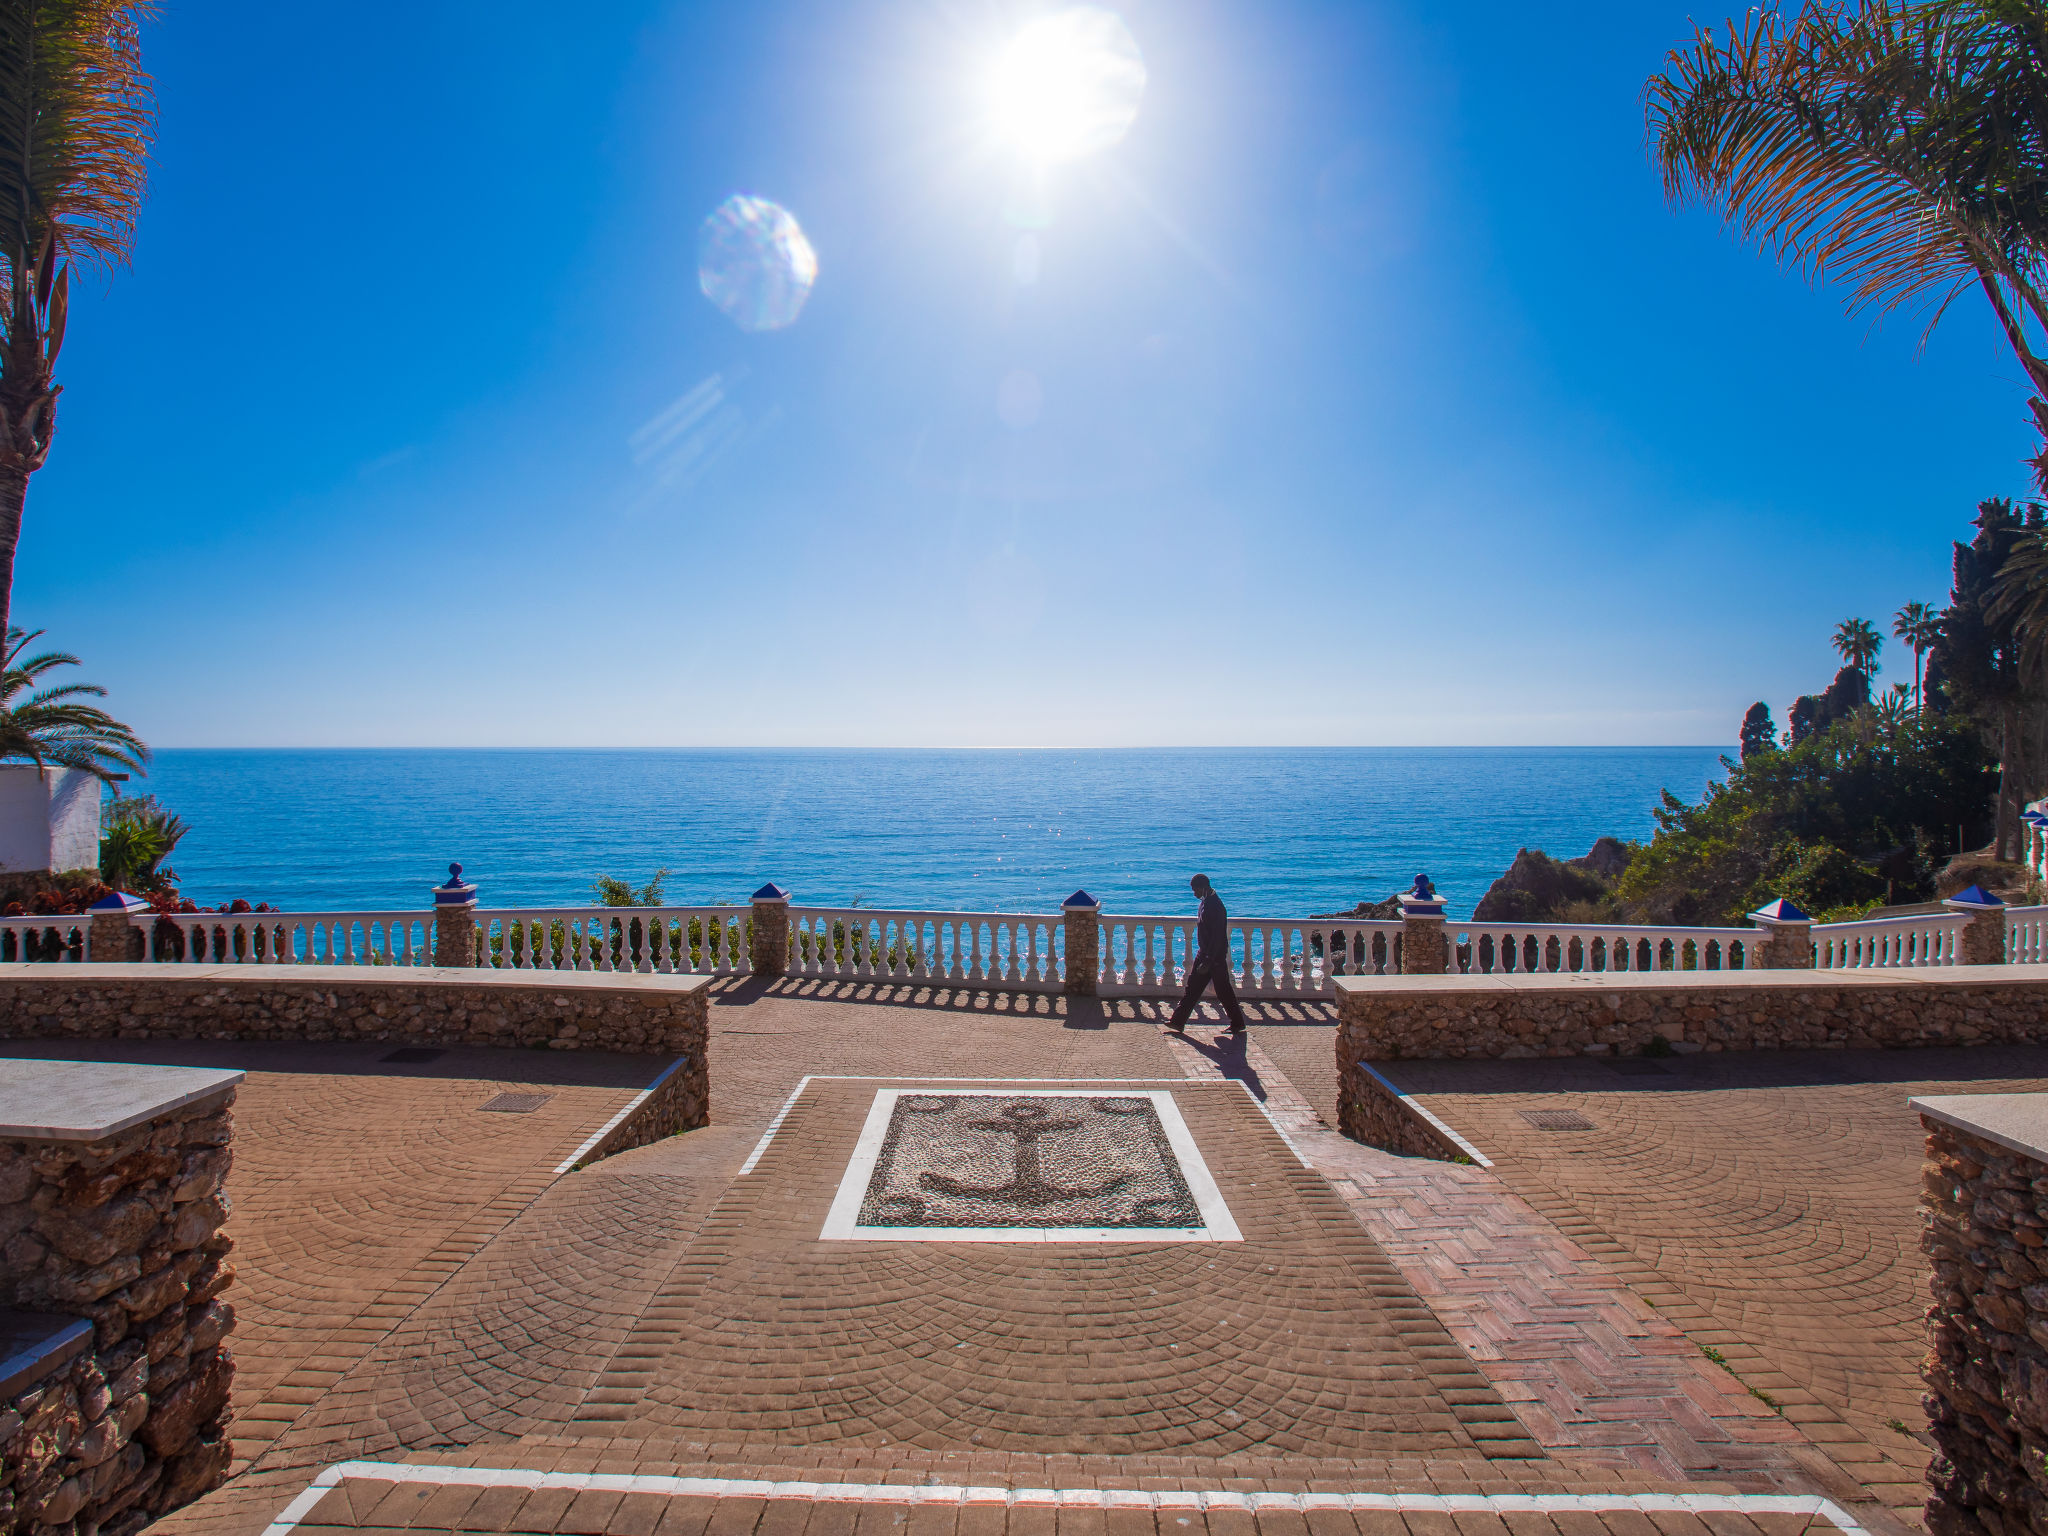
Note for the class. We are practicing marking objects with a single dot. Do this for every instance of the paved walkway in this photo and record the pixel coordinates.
(1413, 1330)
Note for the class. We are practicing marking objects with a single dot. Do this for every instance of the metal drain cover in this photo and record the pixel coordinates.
(1558, 1120)
(413, 1053)
(516, 1103)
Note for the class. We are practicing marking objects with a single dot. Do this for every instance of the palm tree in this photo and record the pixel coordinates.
(76, 122)
(1858, 642)
(1899, 146)
(48, 727)
(1917, 625)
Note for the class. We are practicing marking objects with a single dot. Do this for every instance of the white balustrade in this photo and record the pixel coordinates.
(1269, 957)
(2026, 935)
(289, 938)
(1531, 949)
(1919, 939)
(664, 941)
(49, 939)
(1004, 951)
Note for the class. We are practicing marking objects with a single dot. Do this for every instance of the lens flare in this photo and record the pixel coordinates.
(754, 263)
(1067, 85)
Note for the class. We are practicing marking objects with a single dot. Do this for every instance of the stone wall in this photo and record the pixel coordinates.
(1986, 1214)
(676, 1102)
(1388, 1018)
(124, 1231)
(1375, 1112)
(401, 1004)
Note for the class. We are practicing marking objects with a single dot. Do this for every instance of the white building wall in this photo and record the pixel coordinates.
(49, 819)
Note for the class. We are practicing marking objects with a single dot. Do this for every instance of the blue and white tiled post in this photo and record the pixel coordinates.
(768, 953)
(1787, 943)
(455, 921)
(112, 935)
(1982, 942)
(1424, 951)
(1081, 916)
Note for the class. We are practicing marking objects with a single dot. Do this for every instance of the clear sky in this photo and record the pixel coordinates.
(1367, 392)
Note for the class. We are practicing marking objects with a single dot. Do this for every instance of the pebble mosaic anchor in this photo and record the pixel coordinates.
(1040, 1166)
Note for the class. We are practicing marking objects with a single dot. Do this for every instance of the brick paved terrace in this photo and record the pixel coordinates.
(440, 1331)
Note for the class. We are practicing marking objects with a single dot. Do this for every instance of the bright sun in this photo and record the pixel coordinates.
(1067, 85)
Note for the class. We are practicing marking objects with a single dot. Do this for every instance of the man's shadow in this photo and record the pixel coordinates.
(1230, 1055)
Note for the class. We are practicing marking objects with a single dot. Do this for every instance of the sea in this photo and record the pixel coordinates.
(1281, 832)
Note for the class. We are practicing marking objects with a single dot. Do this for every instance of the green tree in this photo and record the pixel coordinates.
(1916, 626)
(1978, 653)
(1759, 731)
(49, 727)
(1895, 146)
(1857, 642)
(76, 122)
(136, 836)
(1835, 823)
(613, 892)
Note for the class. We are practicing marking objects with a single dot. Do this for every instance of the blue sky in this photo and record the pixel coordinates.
(1382, 399)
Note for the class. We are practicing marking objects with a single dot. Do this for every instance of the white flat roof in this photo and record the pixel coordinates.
(89, 1100)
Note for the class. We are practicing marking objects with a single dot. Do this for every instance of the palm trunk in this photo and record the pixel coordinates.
(13, 496)
(2010, 773)
(1916, 682)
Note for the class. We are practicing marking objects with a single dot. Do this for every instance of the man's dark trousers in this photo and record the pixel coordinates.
(1207, 971)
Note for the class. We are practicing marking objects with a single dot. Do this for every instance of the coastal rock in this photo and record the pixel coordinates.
(1537, 887)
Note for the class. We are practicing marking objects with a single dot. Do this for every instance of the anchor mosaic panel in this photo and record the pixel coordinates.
(1064, 1165)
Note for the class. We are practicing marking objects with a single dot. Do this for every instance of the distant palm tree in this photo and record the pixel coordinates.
(1891, 707)
(1919, 626)
(76, 122)
(48, 727)
(1858, 642)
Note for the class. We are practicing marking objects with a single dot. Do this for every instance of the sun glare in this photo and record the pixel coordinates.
(1067, 85)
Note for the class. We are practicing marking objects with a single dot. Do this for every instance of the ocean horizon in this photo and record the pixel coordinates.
(1283, 832)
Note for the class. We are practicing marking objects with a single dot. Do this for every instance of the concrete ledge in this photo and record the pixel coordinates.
(2017, 1122)
(36, 1344)
(92, 1100)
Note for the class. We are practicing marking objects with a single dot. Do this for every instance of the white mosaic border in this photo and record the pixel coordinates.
(842, 1221)
(289, 1517)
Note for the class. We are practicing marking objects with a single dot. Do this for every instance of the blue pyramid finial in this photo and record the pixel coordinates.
(1780, 911)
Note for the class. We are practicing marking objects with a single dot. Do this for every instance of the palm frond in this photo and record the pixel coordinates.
(77, 117)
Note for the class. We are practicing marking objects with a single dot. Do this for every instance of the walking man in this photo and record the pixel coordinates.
(1211, 965)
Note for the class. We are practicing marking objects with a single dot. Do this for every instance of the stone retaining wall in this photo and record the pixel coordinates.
(675, 1102)
(125, 1231)
(1387, 1018)
(1986, 1213)
(421, 1005)
(1380, 1115)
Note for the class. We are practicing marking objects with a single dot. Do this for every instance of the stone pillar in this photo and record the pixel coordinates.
(119, 1172)
(111, 936)
(455, 921)
(1983, 941)
(1083, 920)
(1787, 942)
(1987, 1156)
(769, 951)
(1424, 951)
